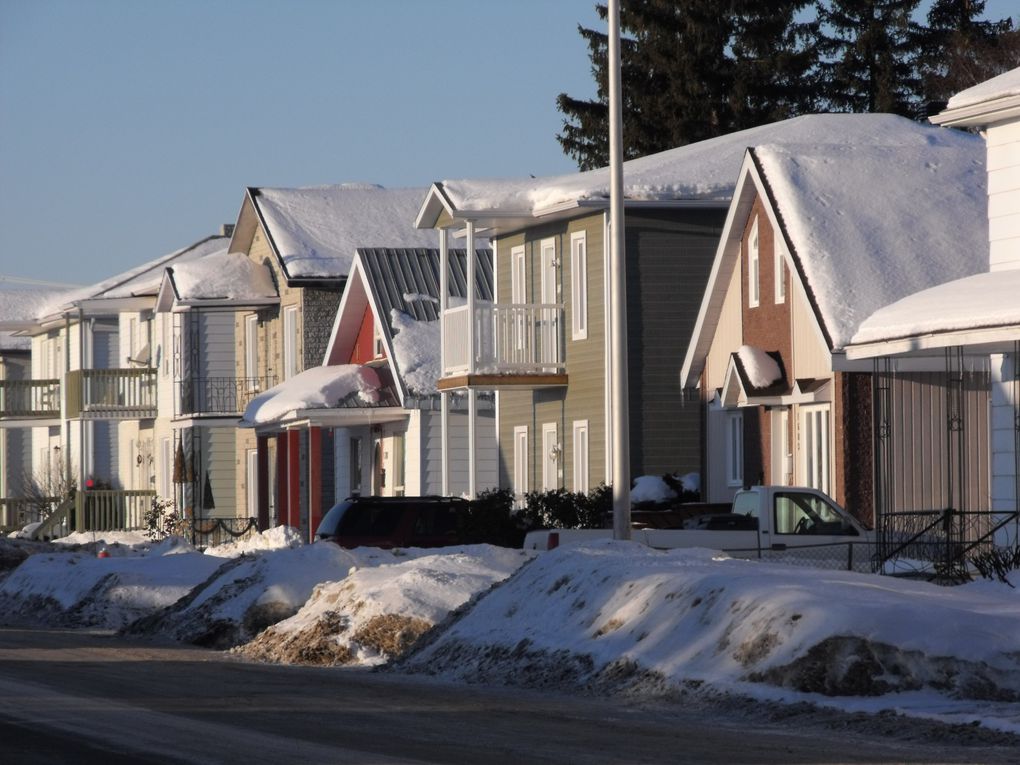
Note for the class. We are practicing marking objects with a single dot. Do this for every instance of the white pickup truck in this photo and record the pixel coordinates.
(786, 523)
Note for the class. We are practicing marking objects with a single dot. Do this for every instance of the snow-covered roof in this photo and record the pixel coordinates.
(704, 172)
(870, 224)
(143, 280)
(936, 317)
(1002, 86)
(19, 307)
(865, 224)
(222, 276)
(316, 231)
(315, 388)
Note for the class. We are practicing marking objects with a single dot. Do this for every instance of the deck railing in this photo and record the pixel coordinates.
(517, 338)
(111, 393)
(219, 395)
(30, 398)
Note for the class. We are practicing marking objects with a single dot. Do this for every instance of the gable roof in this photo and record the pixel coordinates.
(314, 231)
(702, 173)
(401, 287)
(864, 224)
(140, 281)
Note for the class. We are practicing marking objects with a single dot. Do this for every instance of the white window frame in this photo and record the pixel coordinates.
(252, 481)
(552, 455)
(734, 441)
(753, 267)
(815, 421)
(521, 459)
(578, 286)
(779, 262)
(251, 349)
(290, 338)
(581, 456)
(518, 275)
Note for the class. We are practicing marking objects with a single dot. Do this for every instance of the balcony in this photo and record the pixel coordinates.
(517, 345)
(218, 396)
(29, 399)
(110, 394)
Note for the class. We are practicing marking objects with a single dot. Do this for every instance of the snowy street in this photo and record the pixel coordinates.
(85, 696)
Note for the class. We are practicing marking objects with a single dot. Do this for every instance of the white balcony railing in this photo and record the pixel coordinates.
(519, 338)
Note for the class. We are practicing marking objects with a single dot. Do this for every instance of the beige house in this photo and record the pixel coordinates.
(307, 239)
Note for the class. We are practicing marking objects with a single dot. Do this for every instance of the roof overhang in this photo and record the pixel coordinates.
(980, 114)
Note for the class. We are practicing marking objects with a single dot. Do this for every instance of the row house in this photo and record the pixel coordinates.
(307, 239)
(367, 421)
(971, 321)
(543, 346)
(817, 237)
(93, 369)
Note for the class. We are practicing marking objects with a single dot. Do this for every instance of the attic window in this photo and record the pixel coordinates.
(753, 267)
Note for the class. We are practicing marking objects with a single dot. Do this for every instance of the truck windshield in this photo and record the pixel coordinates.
(798, 513)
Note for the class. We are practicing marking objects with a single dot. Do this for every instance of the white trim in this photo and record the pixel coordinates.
(753, 266)
(520, 463)
(578, 286)
(552, 456)
(581, 457)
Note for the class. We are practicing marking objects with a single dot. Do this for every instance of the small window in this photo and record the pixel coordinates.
(578, 286)
(780, 270)
(753, 286)
(735, 449)
(581, 456)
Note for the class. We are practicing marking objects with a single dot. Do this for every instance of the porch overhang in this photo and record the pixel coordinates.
(502, 382)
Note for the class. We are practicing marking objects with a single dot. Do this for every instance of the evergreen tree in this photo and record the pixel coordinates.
(869, 49)
(959, 49)
(691, 70)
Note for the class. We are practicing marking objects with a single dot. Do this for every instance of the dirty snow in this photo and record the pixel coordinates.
(315, 388)
(1006, 84)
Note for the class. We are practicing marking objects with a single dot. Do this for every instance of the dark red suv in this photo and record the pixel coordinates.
(394, 522)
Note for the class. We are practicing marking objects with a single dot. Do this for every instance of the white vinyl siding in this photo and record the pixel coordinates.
(578, 286)
(753, 267)
(581, 456)
(734, 448)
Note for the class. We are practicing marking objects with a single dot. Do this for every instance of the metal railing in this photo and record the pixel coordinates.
(219, 395)
(110, 393)
(18, 512)
(29, 398)
(516, 338)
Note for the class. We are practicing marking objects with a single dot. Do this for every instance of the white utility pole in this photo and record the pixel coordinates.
(620, 426)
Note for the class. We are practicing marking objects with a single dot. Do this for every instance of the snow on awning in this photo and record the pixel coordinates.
(316, 388)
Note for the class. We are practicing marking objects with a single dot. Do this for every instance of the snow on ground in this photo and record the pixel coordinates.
(605, 617)
(378, 613)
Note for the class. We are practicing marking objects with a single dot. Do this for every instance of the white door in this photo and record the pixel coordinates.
(815, 452)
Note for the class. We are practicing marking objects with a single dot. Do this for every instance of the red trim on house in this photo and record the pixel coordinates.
(364, 345)
(294, 478)
(314, 480)
(262, 477)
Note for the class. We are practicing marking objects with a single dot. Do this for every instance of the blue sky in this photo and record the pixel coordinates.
(129, 128)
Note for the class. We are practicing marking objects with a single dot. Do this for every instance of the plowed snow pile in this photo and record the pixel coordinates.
(623, 617)
(379, 613)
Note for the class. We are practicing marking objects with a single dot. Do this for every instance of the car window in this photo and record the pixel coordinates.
(370, 520)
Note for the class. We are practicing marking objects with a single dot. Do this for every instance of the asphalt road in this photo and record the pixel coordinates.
(83, 697)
